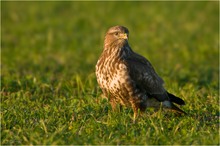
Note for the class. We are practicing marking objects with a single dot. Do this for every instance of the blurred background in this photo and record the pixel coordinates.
(49, 93)
(53, 41)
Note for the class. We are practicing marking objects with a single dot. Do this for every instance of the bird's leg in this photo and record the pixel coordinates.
(113, 104)
(134, 117)
(135, 110)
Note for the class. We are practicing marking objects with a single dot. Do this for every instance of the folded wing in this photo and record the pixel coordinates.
(144, 75)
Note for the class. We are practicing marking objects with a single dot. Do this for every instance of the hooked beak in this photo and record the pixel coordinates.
(124, 36)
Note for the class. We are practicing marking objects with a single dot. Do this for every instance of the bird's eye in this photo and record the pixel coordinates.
(116, 33)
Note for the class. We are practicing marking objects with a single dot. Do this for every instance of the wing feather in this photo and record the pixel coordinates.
(143, 73)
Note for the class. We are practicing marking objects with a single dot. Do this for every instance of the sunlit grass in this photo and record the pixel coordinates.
(49, 93)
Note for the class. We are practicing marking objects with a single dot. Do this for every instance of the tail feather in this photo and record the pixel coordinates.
(170, 105)
(175, 99)
(175, 108)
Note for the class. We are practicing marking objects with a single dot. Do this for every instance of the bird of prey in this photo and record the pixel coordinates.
(129, 79)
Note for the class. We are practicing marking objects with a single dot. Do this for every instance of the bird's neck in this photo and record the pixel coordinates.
(119, 50)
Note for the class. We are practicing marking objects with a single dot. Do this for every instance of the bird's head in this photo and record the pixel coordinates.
(116, 35)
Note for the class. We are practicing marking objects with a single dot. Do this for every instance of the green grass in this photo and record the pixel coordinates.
(49, 93)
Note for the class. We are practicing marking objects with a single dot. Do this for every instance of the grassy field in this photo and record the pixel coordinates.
(49, 93)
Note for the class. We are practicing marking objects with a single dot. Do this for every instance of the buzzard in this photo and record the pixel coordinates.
(129, 79)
